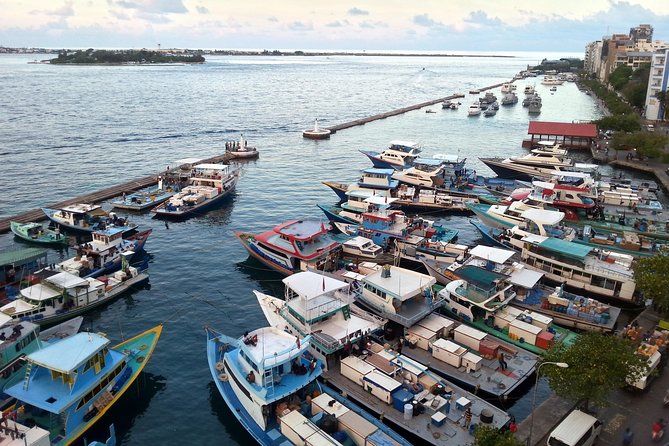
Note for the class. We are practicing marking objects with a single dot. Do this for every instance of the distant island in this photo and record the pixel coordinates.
(123, 57)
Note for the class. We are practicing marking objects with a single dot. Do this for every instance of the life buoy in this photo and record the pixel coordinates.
(223, 377)
(220, 366)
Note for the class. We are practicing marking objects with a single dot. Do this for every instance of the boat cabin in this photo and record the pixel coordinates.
(377, 178)
(399, 294)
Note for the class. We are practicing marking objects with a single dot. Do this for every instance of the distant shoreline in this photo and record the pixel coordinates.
(209, 52)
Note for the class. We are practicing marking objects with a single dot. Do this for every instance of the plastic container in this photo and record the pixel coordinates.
(408, 411)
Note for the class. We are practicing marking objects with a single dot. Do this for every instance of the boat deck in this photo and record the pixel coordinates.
(489, 378)
(452, 432)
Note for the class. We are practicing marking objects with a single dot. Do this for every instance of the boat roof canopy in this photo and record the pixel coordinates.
(379, 171)
(82, 208)
(310, 285)
(21, 256)
(543, 184)
(479, 277)
(526, 278)
(543, 216)
(496, 255)
(212, 166)
(377, 199)
(67, 280)
(68, 354)
(569, 249)
(36, 292)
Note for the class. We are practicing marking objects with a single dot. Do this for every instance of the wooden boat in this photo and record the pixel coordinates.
(22, 338)
(240, 149)
(61, 296)
(37, 233)
(209, 184)
(284, 403)
(317, 308)
(481, 299)
(566, 309)
(16, 266)
(296, 245)
(103, 254)
(598, 271)
(92, 376)
(142, 200)
(86, 218)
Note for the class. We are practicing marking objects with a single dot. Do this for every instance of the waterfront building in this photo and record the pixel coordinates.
(657, 82)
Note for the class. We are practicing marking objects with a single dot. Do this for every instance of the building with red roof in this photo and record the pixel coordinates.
(568, 134)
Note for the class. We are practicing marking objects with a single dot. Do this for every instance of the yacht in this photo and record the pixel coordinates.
(399, 155)
(474, 109)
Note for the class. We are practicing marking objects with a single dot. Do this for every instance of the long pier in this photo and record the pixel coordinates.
(95, 197)
(333, 129)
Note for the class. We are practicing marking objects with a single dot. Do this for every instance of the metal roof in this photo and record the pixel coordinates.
(569, 249)
(66, 355)
(562, 129)
(21, 256)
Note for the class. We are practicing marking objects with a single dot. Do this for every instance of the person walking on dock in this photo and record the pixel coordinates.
(468, 417)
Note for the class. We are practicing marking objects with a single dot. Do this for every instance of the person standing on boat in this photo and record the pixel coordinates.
(468, 417)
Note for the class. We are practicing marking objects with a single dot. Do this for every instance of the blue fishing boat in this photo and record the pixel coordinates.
(103, 254)
(68, 386)
(268, 380)
(209, 184)
(82, 217)
(142, 200)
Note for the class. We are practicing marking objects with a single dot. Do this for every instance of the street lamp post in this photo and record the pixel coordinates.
(563, 365)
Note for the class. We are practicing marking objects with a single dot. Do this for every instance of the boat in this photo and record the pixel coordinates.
(103, 254)
(429, 110)
(596, 271)
(17, 265)
(487, 100)
(359, 201)
(507, 87)
(22, 338)
(474, 109)
(360, 247)
(208, 185)
(62, 295)
(83, 377)
(509, 99)
(38, 233)
(553, 88)
(110, 441)
(540, 163)
(82, 217)
(481, 298)
(566, 309)
(551, 80)
(490, 111)
(529, 90)
(534, 105)
(268, 379)
(169, 183)
(319, 306)
(450, 105)
(316, 132)
(240, 149)
(468, 356)
(399, 155)
(296, 245)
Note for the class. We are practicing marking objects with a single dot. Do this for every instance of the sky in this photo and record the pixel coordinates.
(355, 25)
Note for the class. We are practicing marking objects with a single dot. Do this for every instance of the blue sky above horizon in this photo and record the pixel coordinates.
(424, 25)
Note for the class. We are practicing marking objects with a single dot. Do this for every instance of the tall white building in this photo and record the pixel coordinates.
(658, 80)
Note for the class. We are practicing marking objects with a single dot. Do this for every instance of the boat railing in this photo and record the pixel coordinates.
(435, 302)
(326, 343)
(608, 271)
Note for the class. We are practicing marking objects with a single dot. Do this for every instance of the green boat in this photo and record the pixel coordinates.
(38, 233)
(481, 298)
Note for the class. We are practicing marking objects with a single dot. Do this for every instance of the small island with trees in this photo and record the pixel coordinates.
(123, 57)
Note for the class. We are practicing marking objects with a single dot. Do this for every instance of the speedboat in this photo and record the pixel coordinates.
(398, 156)
(474, 109)
(209, 184)
(68, 386)
(296, 245)
(268, 378)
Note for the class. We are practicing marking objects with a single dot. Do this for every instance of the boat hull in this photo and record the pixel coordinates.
(504, 172)
(162, 212)
(144, 343)
(333, 216)
(247, 239)
(50, 238)
(338, 188)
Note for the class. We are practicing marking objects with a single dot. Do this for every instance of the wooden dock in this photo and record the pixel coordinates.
(95, 197)
(333, 129)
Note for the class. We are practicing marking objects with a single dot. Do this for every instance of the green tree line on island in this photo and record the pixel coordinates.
(91, 56)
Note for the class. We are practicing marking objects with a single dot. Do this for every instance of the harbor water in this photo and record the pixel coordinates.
(65, 131)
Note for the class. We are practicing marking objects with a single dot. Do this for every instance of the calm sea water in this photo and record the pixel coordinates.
(65, 131)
